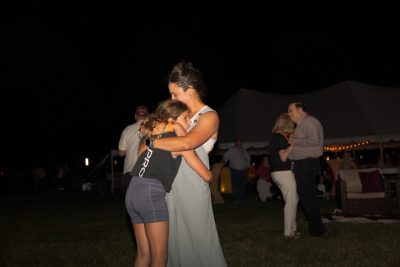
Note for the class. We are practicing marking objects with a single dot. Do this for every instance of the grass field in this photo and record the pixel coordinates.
(89, 230)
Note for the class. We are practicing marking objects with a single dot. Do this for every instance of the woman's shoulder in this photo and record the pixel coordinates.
(211, 116)
(207, 108)
(209, 111)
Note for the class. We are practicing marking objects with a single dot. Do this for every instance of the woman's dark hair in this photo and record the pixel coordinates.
(185, 76)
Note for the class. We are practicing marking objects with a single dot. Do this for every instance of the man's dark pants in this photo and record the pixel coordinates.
(306, 172)
(239, 184)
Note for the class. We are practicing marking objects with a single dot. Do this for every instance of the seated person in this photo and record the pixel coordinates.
(325, 183)
(348, 161)
(264, 181)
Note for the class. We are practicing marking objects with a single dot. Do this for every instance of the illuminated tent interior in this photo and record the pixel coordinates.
(350, 112)
(354, 116)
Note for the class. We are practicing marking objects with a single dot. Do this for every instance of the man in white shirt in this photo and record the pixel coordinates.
(129, 144)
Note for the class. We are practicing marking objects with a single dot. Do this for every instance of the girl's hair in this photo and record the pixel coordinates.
(166, 109)
(284, 124)
(185, 76)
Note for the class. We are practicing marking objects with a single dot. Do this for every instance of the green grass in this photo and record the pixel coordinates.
(91, 231)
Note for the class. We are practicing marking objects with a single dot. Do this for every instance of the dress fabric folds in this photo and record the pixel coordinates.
(193, 237)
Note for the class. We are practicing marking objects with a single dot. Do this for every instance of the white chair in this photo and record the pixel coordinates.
(388, 172)
(354, 201)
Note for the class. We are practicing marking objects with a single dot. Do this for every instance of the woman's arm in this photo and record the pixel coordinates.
(204, 130)
(191, 157)
(284, 153)
(196, 164)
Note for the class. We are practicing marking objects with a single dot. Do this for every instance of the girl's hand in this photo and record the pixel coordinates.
(142, 147)
(179, 130)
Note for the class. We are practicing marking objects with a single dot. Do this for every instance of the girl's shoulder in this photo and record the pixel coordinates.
(169, 134)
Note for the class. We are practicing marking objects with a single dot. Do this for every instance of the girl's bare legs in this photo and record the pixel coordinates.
(142, 246)
(157, 236)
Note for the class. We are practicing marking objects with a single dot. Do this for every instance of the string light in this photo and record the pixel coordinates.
(340, 147)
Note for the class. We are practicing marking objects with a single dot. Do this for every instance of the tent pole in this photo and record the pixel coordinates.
(381, 150)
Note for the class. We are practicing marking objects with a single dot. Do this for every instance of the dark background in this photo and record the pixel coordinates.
(70, 82)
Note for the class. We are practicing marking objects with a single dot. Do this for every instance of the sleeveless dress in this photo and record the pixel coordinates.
(193, 237)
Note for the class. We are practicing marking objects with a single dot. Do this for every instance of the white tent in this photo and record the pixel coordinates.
(349, 112)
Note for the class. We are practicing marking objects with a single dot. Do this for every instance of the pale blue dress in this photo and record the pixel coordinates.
(193, 237)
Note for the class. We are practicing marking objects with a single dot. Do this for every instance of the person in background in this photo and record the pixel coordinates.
(193, 237)
(264, 181)
(281, 172)
(39, 178)
(325, 179)
(61, 174)
(128, 147)
(325, 184)
(306, 150)
(152, 177)
(251, 181)
(216, 169)
(129, 144)
(239, 161)
(348, 161)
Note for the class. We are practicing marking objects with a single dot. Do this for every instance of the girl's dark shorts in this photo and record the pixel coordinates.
(145, 201)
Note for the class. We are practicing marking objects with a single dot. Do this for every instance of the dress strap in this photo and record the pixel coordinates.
(196, 116)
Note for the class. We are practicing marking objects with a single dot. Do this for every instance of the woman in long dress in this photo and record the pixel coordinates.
(193, 236)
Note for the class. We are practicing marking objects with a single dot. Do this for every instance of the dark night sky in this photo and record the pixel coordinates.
(74, 81)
